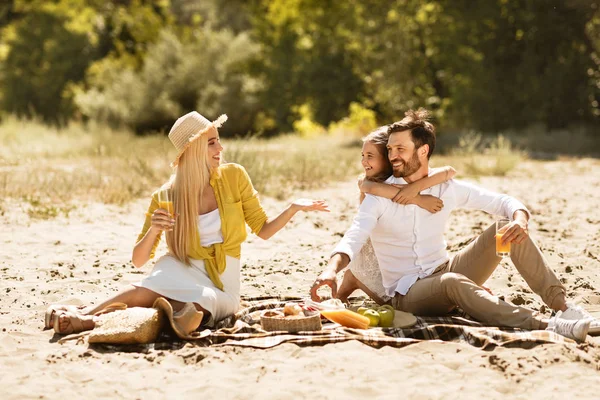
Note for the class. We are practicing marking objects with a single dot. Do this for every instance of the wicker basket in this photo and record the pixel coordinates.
(271, 322)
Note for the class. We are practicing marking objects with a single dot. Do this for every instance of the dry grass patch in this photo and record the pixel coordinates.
(476, 155)
(50, 169)
(47, 170)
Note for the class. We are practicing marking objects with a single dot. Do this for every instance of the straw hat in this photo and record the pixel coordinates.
(185, 321)
(189, 128)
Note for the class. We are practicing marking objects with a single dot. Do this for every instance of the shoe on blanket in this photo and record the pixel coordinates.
(570, 328)
(574, 311)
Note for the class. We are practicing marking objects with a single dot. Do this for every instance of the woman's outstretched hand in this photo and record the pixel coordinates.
(310, 205)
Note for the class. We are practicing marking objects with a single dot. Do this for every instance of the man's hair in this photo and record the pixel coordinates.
(421, 130)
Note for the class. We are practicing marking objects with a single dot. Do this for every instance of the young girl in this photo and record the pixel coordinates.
(363, 272)
(212, 202)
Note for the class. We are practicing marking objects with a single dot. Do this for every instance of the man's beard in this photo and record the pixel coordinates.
(408, 168)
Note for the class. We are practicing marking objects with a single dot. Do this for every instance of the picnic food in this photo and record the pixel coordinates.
(292, 309)
(386, 317)
(373, 317)
(383, 316)
(292, 317)
(347, 318)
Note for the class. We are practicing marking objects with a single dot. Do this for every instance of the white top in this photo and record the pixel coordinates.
(209, 225)
(190, 283)
(408, 240)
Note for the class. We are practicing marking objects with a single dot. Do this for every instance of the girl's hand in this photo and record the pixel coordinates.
(430, 203)
(360, 181)
(162, 220)
(407, 193)
(310, 205)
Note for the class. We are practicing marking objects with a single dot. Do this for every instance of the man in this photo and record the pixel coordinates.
(410, 247)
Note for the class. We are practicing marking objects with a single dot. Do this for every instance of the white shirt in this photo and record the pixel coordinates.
(408, 240)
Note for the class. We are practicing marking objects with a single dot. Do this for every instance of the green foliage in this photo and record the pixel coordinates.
(44, 57)
(206, 74)
(305, 126)
(495, 66)
(357, 124)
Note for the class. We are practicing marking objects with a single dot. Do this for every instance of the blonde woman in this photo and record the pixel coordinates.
(212, 202)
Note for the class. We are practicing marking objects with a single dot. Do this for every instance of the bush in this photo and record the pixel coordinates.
(359, 122)
(306, 126)
(205, 74)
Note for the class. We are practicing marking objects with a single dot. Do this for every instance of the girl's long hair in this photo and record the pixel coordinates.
(379, 137)
(188, 183)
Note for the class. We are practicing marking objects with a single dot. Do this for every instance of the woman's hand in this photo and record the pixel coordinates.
(162, 220)
(406, 193)
(310, 205)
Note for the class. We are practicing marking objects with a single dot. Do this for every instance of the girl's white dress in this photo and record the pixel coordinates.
(174, 280)
(365, 268)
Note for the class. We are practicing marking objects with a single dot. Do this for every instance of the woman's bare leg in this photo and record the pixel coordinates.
(133, 296)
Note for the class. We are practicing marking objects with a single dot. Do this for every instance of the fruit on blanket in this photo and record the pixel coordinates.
(346, 318)
(386, 318)
(373, 317)
(386, 307)
(292, 309)
(361, 310)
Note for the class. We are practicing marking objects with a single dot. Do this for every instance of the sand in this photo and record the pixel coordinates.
(84, 258)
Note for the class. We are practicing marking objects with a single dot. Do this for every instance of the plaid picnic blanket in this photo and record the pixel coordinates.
(243, 329)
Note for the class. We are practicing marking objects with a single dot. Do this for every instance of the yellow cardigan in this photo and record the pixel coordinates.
(238, 205)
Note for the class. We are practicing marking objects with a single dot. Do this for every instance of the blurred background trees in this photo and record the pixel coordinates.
(489, 66)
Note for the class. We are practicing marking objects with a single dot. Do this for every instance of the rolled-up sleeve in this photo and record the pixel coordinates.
(471, 196)
(363, 224)
(254, 214)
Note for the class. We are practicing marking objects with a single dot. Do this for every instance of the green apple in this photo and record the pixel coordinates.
(386, 307)
(361, 310)
(373, 317)
(386, 318)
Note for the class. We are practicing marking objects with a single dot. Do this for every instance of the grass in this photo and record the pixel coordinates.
(475, 155)
(50, 171)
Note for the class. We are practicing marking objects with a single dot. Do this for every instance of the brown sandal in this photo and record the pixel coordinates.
(59, 309)
(75, 319)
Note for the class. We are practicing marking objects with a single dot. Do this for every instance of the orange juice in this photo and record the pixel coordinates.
(167, 205)
(502, 249)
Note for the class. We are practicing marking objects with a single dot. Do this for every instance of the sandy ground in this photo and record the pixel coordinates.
(85, 258)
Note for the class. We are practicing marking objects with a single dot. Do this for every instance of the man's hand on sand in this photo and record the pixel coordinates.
(516, 232)
(327, 278)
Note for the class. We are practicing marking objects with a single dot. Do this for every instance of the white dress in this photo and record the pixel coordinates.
(174, 280)
(365, 268)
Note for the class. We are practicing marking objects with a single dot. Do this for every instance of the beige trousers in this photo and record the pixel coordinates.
(458, 283)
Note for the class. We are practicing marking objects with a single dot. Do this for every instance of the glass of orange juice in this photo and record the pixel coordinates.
(165, 200)
(502, 249)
